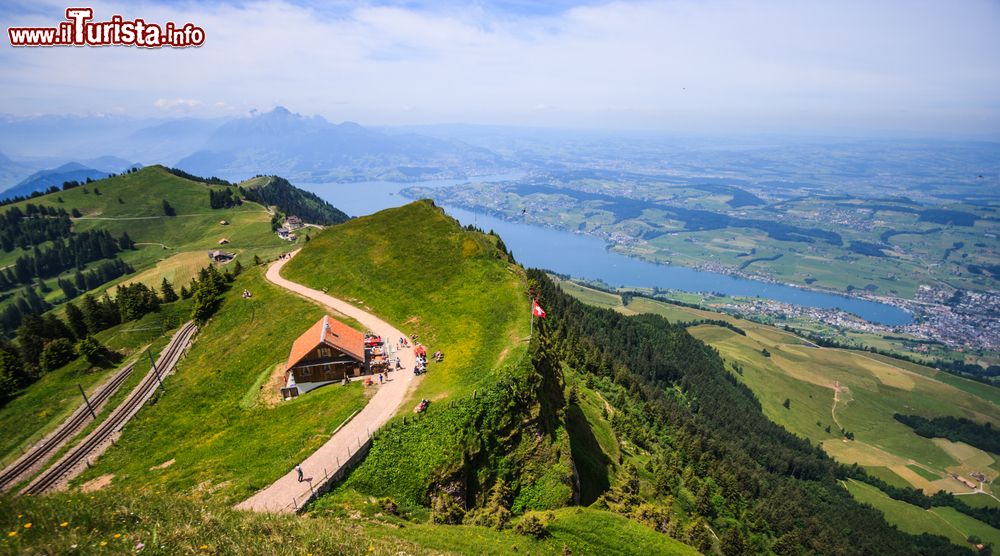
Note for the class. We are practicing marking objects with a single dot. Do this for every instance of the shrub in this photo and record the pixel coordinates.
(446, 510)
(531, 526)
(57, 353)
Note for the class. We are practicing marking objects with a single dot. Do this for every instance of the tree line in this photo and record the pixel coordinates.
(223, 199)
(31, 226)
(291, 200)
(956, 429)
(74, 251)
(102, 273)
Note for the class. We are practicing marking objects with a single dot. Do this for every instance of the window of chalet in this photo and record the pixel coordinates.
(306, 371)
(324, 352)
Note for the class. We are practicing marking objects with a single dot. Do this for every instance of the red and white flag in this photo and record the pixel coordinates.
(536, 310)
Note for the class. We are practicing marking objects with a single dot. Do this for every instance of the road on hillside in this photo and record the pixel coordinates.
(287, 494)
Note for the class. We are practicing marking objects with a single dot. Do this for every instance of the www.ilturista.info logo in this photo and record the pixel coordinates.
(79, 30)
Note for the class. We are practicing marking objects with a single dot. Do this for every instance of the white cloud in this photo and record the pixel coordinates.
(176, 103)
(706, 65)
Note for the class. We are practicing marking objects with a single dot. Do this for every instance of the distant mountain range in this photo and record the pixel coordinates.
(313, 149)
(93, 169)
(303, 148)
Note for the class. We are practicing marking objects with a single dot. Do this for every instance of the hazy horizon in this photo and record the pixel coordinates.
(913, 69)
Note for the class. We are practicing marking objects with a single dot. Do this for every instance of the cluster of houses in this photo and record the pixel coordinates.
(291, 224)
(327, 353)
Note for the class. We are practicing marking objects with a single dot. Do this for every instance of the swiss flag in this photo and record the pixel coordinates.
(536, 310)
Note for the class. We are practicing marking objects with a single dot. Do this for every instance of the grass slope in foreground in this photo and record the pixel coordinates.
(116, 521)
(226, 442)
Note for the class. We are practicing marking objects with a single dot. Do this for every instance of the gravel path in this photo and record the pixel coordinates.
(287, 493)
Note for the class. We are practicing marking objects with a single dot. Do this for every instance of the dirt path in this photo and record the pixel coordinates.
(287, 493)
(837, 389)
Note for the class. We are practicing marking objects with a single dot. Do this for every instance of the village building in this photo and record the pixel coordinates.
(286, 234)
(293, 223)
(223, 241)
(221, 256)
(326, 353)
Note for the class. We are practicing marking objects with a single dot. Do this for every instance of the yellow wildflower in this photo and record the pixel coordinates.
(12, 534)
(104, 543)
(64, 524)
(118, 535)
(27, 525)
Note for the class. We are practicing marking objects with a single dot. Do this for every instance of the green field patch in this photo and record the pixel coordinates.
(925, 473)
(909, 518)
(887, 475)
(968, 526)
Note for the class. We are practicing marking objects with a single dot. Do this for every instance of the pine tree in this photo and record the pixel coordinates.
(76, 320)
(167, 291)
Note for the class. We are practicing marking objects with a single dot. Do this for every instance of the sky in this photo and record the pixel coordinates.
(845, 66)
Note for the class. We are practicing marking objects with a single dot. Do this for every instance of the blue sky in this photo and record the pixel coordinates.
(852, 67)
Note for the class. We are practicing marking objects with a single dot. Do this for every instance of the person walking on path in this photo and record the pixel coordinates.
(298, 469)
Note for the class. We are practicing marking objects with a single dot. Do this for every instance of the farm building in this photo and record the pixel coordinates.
(221, 256)
(293, 223)
(286, 234)
(326, 353)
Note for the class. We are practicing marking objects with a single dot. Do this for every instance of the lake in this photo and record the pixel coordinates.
(588, 257)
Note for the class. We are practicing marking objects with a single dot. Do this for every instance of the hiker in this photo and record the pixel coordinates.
(398, 364)
(298, 469)
(381, 379)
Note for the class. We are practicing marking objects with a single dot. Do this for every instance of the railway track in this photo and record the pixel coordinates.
(43, 450)
(75, 460)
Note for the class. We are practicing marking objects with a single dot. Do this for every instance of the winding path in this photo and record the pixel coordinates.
(288, 494)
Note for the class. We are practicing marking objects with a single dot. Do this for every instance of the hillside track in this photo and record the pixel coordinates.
(334, 457)
(78, 457)
(40, 453)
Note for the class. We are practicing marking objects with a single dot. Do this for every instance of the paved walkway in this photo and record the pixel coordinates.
(287, 493)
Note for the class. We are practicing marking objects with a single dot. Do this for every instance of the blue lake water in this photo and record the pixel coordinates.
(583, 256)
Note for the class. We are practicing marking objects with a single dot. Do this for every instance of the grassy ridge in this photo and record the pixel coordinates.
(417, 268)
(203, 421)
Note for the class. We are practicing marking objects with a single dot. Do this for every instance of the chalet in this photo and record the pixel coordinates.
(328, 352)
(293, 223)
(286, 234)
(221, 256)
(223, 241)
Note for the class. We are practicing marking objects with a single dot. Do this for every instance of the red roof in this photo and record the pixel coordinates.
(331, 332)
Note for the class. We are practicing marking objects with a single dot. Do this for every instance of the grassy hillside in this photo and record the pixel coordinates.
(212, 415)
(417, 268)
(133, 203)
